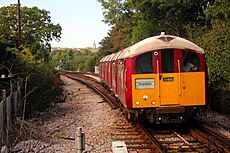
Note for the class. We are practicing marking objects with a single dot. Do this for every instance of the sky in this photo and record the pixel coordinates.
(81, 20)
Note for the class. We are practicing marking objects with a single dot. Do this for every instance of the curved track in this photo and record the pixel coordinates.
(152, 138)
(94, 84)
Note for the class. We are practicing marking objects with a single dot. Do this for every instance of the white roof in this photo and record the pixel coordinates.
(159, 42)
(102, 59)
(116, 56)
(111, 57)
(106, 58)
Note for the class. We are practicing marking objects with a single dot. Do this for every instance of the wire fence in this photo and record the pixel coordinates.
(10, 98)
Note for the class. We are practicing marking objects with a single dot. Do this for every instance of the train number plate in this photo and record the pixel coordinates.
(145, 83)
(168, 79)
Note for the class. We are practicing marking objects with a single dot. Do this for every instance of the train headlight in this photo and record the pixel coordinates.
(137, 103)
(145, 97)
(145, 83)
(153, 102)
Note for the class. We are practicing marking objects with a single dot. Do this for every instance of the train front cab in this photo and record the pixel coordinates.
(162, 90)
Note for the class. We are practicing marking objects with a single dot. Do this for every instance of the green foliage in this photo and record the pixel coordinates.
(43, 83)
(135, 20)
(106, 43)
(216, 42)
(36, 26)
(68, 59)
(144, 29)
(90, 63)
(83, 61)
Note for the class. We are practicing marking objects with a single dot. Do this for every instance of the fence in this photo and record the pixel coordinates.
(11, 95)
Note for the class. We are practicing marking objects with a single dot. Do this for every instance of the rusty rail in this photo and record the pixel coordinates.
(97, 90)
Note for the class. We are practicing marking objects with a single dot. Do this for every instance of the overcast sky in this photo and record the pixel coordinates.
(81, 20)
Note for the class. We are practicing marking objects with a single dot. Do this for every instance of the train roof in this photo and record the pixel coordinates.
(102, 59)
(159, 42)
(110, 57)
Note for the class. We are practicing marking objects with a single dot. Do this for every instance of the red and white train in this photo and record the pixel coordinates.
(162, 78)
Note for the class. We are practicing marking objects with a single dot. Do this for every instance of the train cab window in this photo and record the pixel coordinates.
(120, 66)
(113, 68)
(144, 63)
(167, 60)
(191, 62)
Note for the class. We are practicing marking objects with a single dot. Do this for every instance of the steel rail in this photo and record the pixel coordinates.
(220, 142)
(156, 147)
(92, 87)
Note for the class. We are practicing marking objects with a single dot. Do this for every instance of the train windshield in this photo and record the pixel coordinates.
(191, 62)
(167, 59)
(144, 63)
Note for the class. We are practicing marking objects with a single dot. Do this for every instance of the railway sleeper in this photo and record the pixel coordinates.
(137, 142)
(141, 146)
(170, 115)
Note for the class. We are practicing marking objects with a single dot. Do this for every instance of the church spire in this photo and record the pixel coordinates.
(94, 45)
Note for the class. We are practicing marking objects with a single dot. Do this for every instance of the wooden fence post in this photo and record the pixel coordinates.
(18, 88)
(25, 99)
(4, 110)
(12, 97)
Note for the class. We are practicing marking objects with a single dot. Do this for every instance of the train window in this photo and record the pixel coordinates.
(113, 68)
(167, 60)
(144, 63)
(191, 62)
(120, 66)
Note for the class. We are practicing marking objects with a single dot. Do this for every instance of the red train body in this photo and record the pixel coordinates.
(151, 78)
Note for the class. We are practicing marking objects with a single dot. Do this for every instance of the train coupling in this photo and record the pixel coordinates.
(170, 115)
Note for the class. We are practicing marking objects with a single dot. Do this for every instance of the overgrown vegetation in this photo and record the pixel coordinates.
(41, 82)
(84, 60)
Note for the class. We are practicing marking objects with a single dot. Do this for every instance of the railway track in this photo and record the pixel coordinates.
(93, 84)
(151, 138)
(134, 138)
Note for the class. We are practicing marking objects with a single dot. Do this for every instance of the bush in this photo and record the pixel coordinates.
(43, 82)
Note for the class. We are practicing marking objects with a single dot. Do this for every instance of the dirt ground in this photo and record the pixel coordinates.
(82, 108)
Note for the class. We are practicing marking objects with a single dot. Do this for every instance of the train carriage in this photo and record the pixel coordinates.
(101, 69)
(110, 64)
(115, 71)
(162, 78)
(105, 65)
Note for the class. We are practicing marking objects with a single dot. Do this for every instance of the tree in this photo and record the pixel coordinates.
(119, 14)
(106, 42)
(136, 20)
(37, 29)
(216, 40)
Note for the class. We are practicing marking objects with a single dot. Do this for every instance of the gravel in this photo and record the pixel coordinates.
(221, 123)
(82, 108)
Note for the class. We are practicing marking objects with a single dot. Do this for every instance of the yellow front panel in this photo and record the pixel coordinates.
(172, 89)
(192, 89)
(169, 94)
(139, 95)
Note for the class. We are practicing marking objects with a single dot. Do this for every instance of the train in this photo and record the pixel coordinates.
(161, 78)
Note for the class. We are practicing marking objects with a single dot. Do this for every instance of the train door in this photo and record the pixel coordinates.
(168, 80)
(114, 80)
